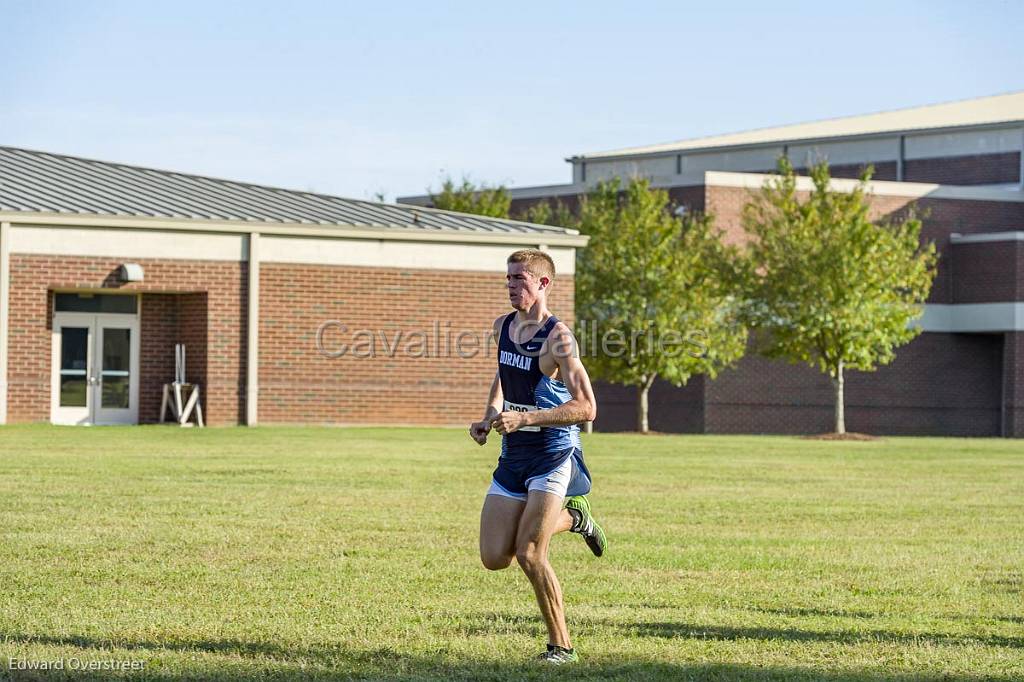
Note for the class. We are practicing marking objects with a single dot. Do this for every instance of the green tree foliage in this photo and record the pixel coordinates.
(548, 212)
(650, 295)
(826, 284)
(470, 198)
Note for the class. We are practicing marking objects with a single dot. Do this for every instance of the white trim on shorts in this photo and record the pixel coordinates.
(555, 482)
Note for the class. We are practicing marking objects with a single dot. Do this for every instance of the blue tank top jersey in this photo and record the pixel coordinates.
(526, 388)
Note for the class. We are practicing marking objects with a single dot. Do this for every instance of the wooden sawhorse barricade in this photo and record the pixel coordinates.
(172, 399)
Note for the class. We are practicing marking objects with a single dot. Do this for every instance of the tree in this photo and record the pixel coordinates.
(548, 212)
(650, 293)
(825, 284)
(469, 198)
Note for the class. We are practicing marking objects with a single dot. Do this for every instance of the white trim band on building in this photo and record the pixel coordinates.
(475, 258)
(912, 190)
(957, 238)
(102, 243)
(972, 317)
(279, 248)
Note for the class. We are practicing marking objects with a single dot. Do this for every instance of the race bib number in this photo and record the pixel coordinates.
(516, 407)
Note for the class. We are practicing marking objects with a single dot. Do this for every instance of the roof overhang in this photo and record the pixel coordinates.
(697, 148)
(568, 239)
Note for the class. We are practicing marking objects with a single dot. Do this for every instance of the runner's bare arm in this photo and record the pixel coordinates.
(479, 430)
(495, 400)
(582, 407)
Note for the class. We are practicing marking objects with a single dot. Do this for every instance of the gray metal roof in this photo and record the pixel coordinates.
(32, 181)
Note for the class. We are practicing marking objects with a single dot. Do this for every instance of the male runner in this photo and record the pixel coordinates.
(540, 393)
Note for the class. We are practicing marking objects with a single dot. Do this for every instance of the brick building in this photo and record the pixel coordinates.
(961, 162)
(293, 307)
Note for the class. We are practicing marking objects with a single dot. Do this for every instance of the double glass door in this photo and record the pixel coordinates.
(95, 369)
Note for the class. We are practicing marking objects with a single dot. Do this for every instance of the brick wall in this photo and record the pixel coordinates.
(28, 349)
(299, 384)
(692, 197)
(726, 204)
(193, 330)
(669, 409)
(940, 218)
(939, 384)
(988, 272)
(166, 320)
(1013, 386)
(202, 304)
(223, 284)
(158, 332)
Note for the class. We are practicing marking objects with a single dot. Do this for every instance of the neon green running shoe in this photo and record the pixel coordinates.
(556, 655)
(583, 523)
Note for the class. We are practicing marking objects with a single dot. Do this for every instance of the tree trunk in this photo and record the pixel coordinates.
(641, 403)
(837, 381)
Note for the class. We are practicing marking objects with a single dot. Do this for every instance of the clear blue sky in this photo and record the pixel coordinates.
(352, 98)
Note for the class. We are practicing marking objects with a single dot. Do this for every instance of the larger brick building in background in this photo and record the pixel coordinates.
(104, 268)
(960, 162)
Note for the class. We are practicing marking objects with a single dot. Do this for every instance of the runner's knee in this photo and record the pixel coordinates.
(496, 562)
(530, 557)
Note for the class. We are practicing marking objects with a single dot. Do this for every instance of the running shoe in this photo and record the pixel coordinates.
(557, 655)
(585, 525)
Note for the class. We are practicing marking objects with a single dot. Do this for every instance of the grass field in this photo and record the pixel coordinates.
(306, 553)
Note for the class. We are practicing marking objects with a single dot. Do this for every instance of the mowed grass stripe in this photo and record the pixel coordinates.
(321, 553)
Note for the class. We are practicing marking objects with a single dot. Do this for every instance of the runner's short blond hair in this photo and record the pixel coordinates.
(538, 263)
